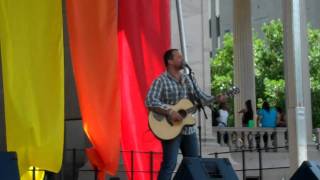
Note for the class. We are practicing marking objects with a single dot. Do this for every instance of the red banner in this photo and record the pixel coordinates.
(144, 35)
(92, 29)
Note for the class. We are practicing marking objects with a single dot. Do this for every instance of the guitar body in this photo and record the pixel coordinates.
(162, 129)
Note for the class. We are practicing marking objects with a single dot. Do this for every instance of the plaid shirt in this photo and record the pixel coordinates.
(166, 91)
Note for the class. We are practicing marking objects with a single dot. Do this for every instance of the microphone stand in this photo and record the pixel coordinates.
(200, 106)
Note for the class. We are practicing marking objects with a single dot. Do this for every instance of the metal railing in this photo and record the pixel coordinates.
(152, 171)
(260, 167)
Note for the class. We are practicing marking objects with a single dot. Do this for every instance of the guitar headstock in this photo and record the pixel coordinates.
(232, 91)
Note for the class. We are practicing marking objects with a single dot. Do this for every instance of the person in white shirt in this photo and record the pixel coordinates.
(222, 122)
(223, 115)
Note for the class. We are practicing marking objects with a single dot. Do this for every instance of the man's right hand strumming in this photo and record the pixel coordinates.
(174, 116)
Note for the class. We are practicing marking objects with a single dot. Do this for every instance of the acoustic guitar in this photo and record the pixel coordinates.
(164, 129)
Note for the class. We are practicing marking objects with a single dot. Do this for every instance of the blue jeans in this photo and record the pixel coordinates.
(189, 147)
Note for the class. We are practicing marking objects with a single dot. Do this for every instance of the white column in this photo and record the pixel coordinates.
(297, 80)
(306, 74)
(215, 36)
(244, 76)
(305, 71)
(196, 24)
(205, 62)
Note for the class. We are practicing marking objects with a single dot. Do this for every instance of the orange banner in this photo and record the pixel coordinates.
(92, 29)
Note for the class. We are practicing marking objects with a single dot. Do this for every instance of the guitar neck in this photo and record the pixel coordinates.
(233, 91)
(194, 108)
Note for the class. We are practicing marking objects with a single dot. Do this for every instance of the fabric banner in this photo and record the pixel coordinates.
(31, 40)
(144, 35)
(92, 29)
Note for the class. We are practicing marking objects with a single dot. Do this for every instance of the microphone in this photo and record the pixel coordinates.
(185, 65)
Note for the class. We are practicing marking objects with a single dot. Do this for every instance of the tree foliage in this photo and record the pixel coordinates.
(269, 67)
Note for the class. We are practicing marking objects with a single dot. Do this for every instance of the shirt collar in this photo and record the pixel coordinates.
(172, 78)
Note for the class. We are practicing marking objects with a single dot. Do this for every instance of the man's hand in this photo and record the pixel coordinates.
(174, 116)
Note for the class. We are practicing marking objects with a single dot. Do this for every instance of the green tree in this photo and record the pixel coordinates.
(269, 67)
(314, 57)
(268, 58)
(222, 71)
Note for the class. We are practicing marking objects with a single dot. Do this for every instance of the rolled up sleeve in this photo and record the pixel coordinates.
(153, 98)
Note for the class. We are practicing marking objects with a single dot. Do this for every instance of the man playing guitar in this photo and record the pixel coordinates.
(166, 90)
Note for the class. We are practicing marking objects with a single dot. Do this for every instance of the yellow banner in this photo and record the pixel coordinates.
(31, 40)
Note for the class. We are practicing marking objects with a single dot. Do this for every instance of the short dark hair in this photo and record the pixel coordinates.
(168, 55)
(248, 105)
(266, 106)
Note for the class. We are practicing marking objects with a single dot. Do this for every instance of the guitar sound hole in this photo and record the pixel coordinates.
(183, 113)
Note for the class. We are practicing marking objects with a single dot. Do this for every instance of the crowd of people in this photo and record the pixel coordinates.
(267, 116)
